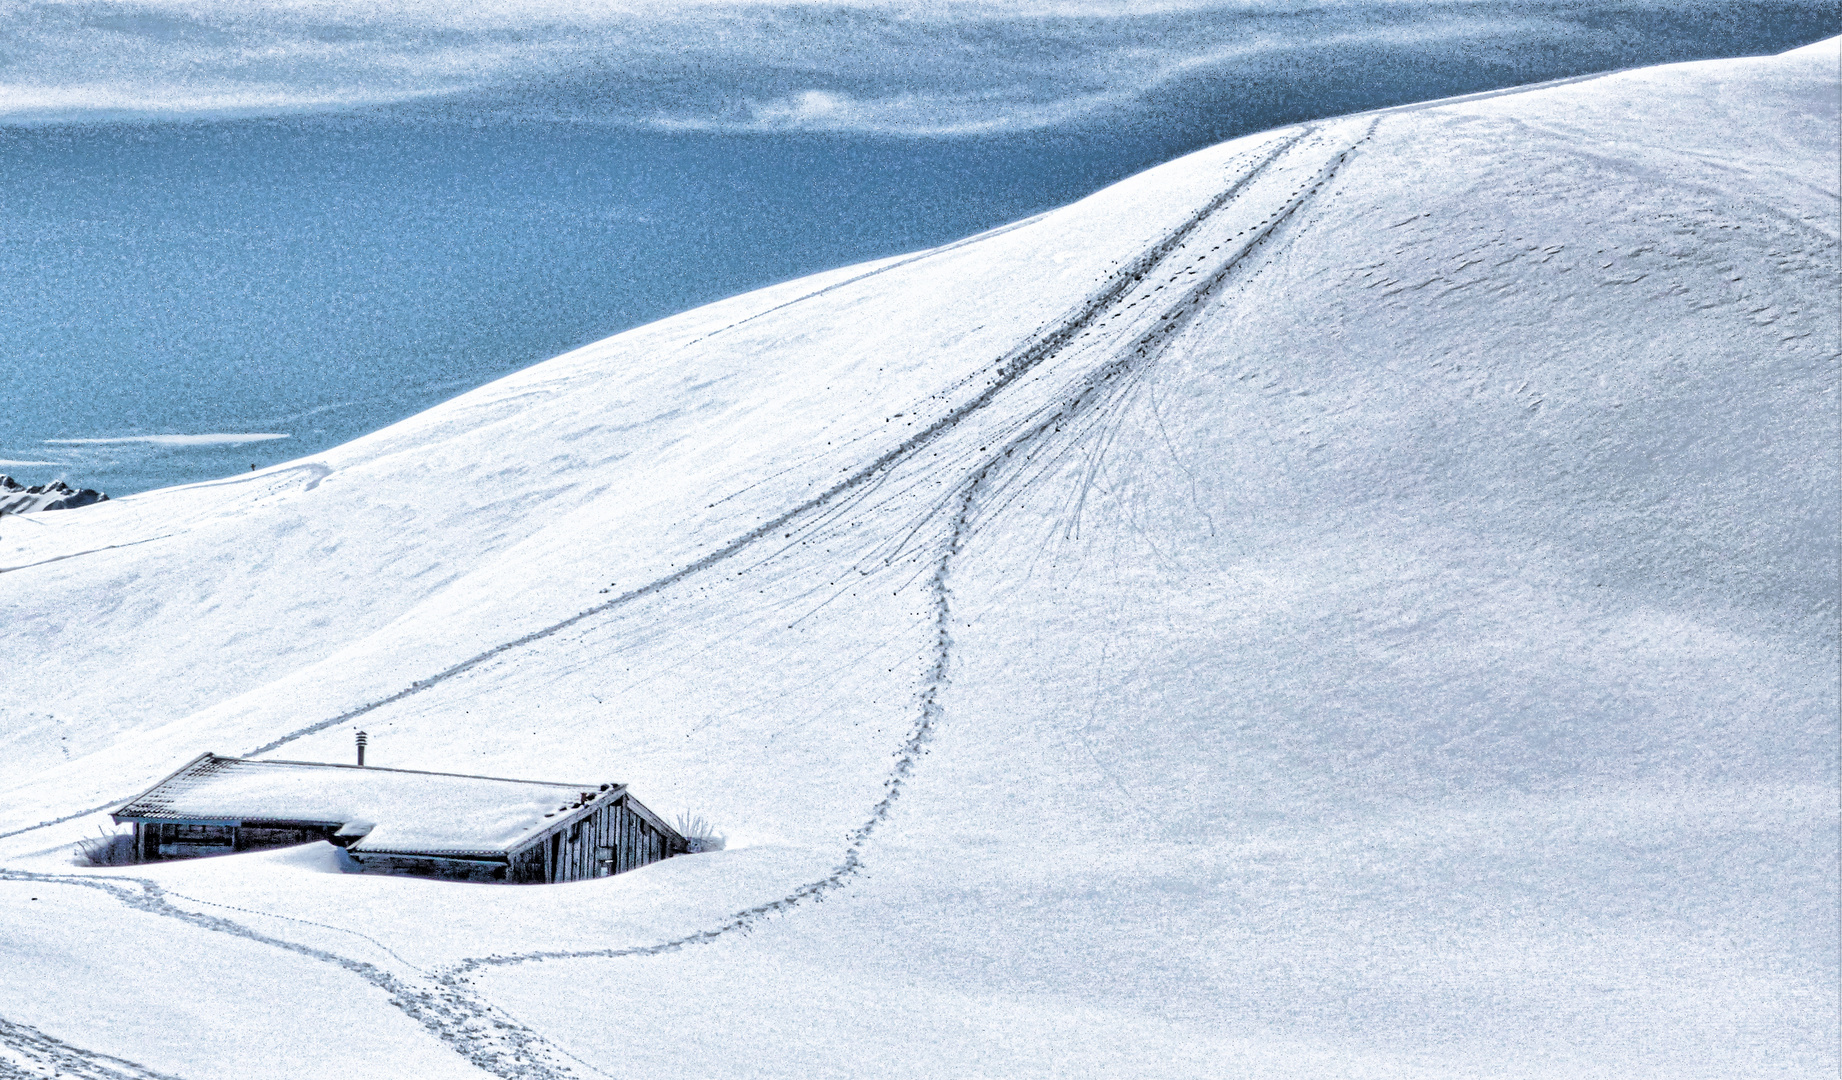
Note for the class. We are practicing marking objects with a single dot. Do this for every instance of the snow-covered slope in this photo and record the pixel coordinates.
(1357, 600)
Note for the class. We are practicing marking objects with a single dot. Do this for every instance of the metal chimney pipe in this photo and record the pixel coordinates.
(361, 748)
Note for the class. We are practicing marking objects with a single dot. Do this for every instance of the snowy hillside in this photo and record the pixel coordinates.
(1359, 600)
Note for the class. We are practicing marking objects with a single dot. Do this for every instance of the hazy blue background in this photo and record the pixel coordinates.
(222, 218)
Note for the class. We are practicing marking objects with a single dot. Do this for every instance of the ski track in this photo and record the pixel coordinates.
(318, 473)
(444, 1003)
(896, 265)
(80, 554)
(27, 1053)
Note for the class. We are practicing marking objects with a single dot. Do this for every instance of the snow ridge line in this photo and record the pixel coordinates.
(1010, 367)
(896, 265)
(470, 1028)
(47, 1057)
(1111, 379)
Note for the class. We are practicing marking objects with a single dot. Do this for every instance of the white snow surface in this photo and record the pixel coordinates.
(1360, 600)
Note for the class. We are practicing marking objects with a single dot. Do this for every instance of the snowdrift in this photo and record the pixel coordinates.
(1357, 600)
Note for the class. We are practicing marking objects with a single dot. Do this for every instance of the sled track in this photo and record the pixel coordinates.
(448, 1008)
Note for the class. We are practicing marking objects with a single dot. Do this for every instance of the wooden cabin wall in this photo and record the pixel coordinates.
(527, 866)
(612, 839)
(431, 866)
(156, 841)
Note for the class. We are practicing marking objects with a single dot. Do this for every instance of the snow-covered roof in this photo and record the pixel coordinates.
(407, 810)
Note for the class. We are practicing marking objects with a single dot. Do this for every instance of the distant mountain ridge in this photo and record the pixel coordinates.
(17, 498)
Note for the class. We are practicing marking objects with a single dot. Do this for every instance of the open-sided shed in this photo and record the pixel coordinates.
(400, 821)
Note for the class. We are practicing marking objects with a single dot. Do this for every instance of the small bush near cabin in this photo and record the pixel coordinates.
(698, 834)
(108, 849)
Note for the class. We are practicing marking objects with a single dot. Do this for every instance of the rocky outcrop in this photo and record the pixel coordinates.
(16, 498)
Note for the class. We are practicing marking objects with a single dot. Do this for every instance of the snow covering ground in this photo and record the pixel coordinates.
(1360, 600)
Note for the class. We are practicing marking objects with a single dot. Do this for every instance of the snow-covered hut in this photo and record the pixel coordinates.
(400, 821)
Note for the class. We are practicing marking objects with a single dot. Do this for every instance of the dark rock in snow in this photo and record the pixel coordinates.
(16, 498)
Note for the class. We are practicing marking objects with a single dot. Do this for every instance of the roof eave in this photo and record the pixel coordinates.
(246, 821)
(580, 813)
(433, 853)
(179, 819)
(653, 819)
(412, 772)
(155, 786)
